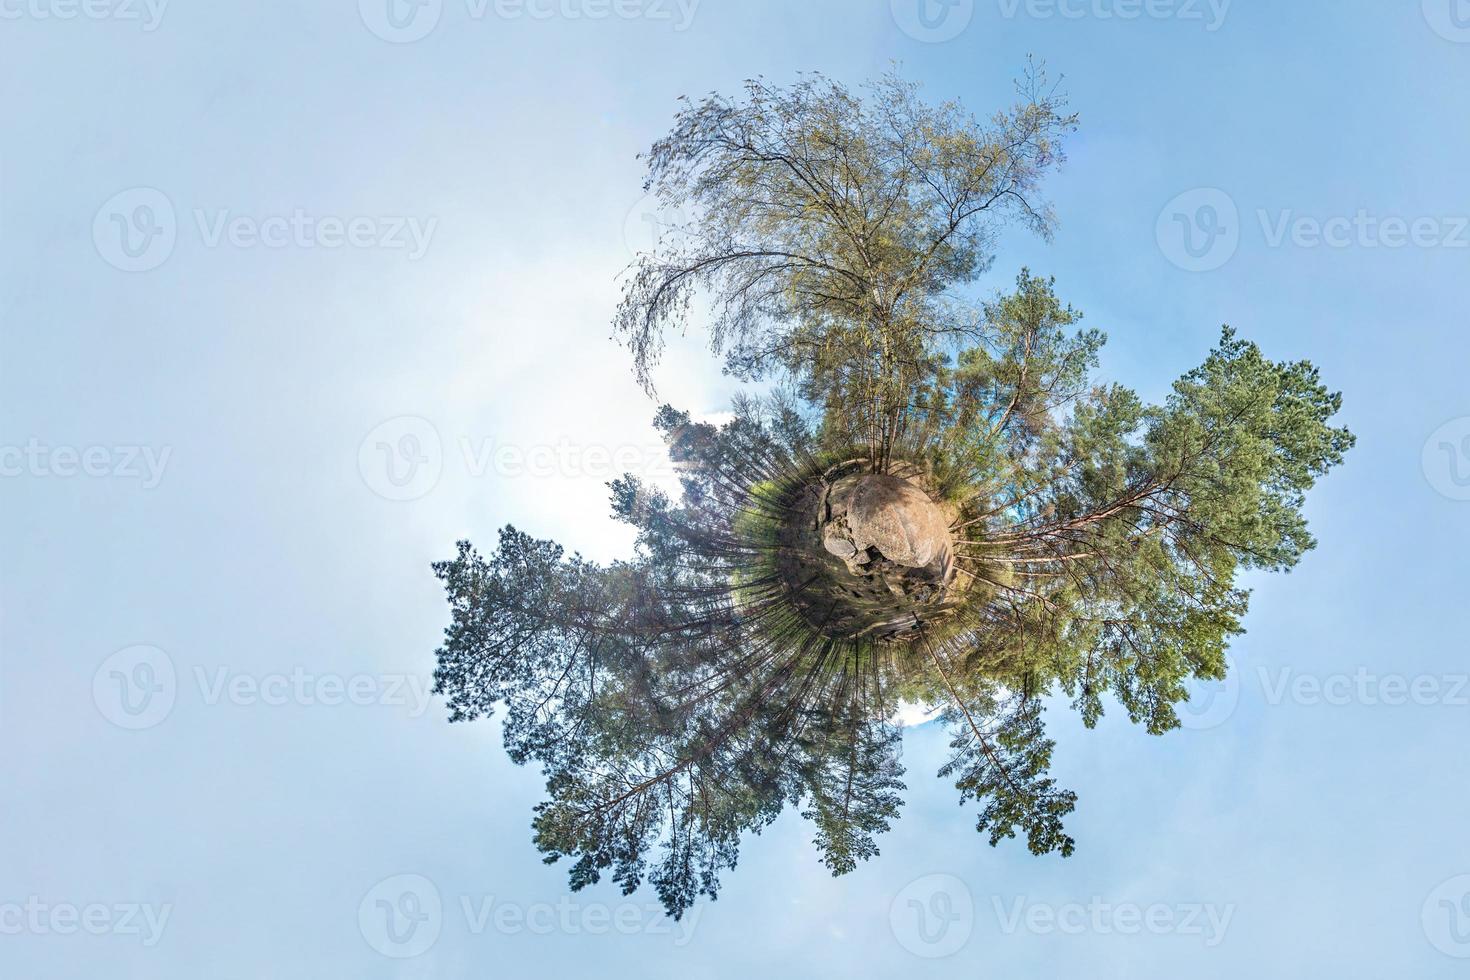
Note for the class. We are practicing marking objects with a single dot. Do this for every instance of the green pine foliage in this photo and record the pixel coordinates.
(679, 699)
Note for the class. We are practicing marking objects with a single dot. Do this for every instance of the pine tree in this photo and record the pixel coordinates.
(941, 505)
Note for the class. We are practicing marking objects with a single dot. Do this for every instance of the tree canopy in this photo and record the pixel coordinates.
(829, 231)
(753, 651)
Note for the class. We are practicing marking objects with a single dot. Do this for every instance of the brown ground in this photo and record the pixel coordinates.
(870, 554)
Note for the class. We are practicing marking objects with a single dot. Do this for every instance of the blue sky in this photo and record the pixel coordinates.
(294, 295)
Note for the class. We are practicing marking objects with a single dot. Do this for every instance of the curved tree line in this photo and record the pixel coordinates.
(940, 504)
